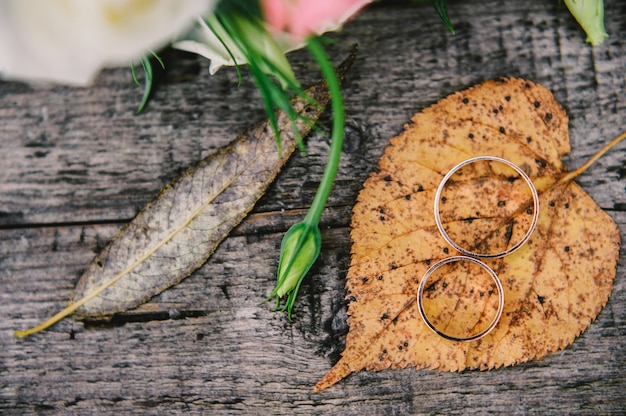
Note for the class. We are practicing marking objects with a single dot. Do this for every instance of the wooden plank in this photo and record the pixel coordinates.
(210, 343)
(75, 164)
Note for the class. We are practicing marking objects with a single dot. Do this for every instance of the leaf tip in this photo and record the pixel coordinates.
(339, 371)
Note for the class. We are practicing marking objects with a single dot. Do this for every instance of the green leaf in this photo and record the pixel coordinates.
(442, 10)
(146, 64)
(590, 16)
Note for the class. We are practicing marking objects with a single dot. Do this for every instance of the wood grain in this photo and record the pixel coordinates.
(76, 164)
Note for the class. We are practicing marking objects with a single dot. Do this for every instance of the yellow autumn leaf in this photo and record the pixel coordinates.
(554, 285)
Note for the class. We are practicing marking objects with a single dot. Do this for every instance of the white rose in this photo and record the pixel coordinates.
(69, 41)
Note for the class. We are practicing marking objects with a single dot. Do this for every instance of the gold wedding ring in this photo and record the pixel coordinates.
(480, 255)
(424, 281)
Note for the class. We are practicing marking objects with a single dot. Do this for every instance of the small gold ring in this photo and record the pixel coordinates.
(494, 255)
(494, 276)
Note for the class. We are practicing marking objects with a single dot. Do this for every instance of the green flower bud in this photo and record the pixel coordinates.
(590, 15)
(299, 250)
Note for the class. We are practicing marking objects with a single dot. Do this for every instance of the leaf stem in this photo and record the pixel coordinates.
(52, 320)
(330, 171)
(573, 174)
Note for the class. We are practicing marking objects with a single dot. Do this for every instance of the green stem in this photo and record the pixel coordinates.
(330, 171)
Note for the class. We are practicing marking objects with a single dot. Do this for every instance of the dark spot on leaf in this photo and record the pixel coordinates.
(508, 98)
(465, 101)
(420, 188)
(471, 135)
(387, 178)
(540, 299)
(382, 218)
(400, 347)
(408, 197)
(501, 203)
(384, 316)
(549, 116)
(528, 139)
(502, 130)
(445, 250)
(382, 211)
(500, 107)
(541, 162)
(509, 232)
(380, 277)
(444, 199)
(444, 285)
(536, 104)
(427, 262)
(406, 344)
(567, 249)
(470, 220)
(495, 111)
(566, 205)
(385, 351)
(364, 280)
(393, 266)
(551, 203)
(527, 85)
(529, 211)
(481, 294)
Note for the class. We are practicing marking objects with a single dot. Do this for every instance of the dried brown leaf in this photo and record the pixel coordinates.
(175, 234)
(554, 286)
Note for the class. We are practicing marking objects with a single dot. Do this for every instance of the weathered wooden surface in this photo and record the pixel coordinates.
(76, 164)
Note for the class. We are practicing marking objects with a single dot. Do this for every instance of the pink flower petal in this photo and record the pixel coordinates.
(303, 18)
